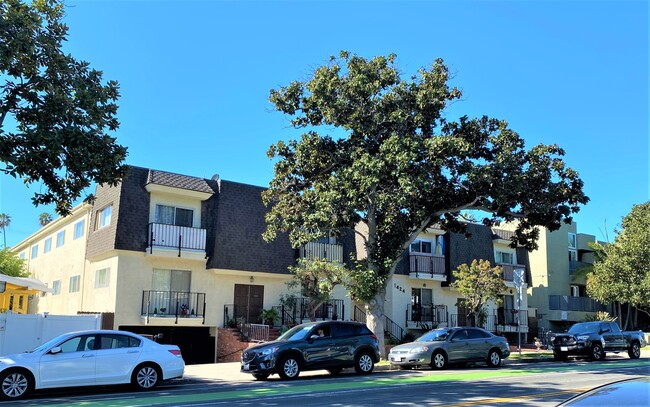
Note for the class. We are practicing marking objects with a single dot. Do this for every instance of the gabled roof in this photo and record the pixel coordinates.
(178, 181)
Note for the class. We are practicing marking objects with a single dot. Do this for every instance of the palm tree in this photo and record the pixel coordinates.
(44, 218)
(5, 221)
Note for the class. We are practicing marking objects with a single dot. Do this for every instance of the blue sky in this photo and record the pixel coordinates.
(195, 79)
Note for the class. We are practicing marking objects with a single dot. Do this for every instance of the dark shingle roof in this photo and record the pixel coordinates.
(179, 181)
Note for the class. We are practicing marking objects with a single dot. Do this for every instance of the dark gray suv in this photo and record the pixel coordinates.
(330, 345)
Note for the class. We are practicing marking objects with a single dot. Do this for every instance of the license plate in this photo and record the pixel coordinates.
(564, 349)
(247, 366)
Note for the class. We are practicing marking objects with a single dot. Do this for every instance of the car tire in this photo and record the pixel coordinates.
(494, 358)
(596, 354)
(146, 377)
(289, 368)
(335, 371)
(363, 363)
(438, 361)
(15, 384)
(560, 357)
(635, 350)
(261, 376)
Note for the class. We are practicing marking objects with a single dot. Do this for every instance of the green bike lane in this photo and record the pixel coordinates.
(293, 388)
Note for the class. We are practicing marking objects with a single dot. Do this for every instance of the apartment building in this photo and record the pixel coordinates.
(167, 254)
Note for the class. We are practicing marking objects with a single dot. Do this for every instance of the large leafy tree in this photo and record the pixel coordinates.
(478, 283)
(621, 271)
(11, 264)
(44, 218)
(60, 108)
(400, 167)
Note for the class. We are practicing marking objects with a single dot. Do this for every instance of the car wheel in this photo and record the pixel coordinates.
(289, 368)
(335, 371)
(597, 352)
(635, 350)
(494, 358)
(560, 357)
(146, 377)
(364, 363)
(261, 376)
(15, 384)
(438, 360)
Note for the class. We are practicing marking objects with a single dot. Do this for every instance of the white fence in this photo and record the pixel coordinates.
(20, 332)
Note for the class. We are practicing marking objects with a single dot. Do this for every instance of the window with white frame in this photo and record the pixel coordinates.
(422, 246)
(79, 229)
(34, 251)
(171, 280)
(575, 291)
(56, 287)
(505, 257)
(60, 238)
(74, 284)
(104, 217)
(21, 256)
(101, 277)
(573, 255)
(48, 245)
(170, 215)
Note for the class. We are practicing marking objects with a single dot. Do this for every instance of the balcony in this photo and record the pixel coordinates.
(181, 241)
(568, 303)
(505, 320)
(427, 266)
(168, 307)
(330, 252)
(427, 316)
(508, 272)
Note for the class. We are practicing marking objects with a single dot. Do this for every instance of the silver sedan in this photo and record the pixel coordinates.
(443, 346)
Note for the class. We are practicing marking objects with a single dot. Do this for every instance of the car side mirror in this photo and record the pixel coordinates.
(313, 338)
(55, 350)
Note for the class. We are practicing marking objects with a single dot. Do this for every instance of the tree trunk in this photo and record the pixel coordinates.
(375, 320)
(627, 317)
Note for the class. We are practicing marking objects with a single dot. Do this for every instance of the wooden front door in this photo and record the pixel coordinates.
(249, 300)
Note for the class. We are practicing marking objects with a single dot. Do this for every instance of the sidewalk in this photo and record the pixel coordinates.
(229, 372)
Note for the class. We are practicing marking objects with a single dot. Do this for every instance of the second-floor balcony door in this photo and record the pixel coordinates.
(171, 284)
(249, 300)
(421, 304)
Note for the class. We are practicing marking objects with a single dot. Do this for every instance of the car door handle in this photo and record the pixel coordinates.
(87, 356)
(133, 351)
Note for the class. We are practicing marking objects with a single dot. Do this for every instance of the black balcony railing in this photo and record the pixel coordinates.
(177, 304)
(426, 315)
(426, 265)
(178, 237)
(359, 315)
(325, 251)
(568, 303)
(504, 320)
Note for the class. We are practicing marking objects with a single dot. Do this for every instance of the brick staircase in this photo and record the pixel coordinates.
(230, 344)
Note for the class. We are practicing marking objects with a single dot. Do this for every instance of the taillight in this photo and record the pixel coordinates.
(373, 336)
(175, 352)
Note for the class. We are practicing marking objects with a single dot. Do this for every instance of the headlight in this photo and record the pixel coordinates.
(582, 337)
(419, 349)
(269, 351)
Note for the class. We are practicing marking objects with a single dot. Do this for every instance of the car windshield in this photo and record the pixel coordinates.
(46, 345)
(437, 335)
(584, 327)
(296, 333)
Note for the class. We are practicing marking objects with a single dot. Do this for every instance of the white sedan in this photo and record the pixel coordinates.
(90, 358)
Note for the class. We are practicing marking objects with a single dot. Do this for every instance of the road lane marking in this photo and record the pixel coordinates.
(502, 400)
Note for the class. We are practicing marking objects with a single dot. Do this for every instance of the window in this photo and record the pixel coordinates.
(440, 245)
(101, 278)
(505, 258)
(48, 245)
(572, 240)
(56, 287)
(115, 341)
(421, 246)
(575, 291)
(60, 238)
(74, 284)
(21, 256)
(34, 251)
(573, 255)
(170, 215)
(171, 280)
(79, 229)
(104, 217)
